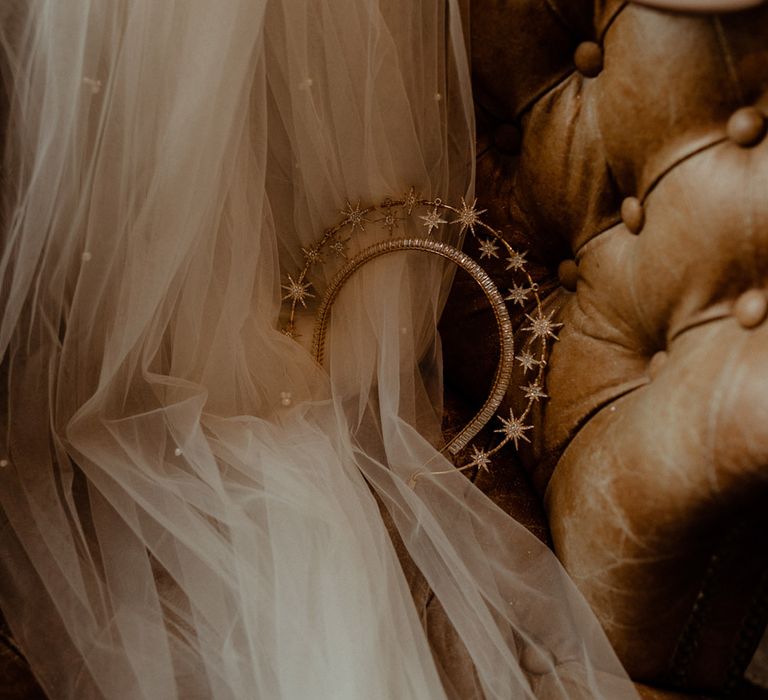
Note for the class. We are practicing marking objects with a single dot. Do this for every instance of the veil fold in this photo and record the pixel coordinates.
(189, 502)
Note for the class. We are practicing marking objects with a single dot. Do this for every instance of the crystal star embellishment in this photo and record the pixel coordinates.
(312, 255)
(410, 200)
(542, 326)
(298, 291)
(518, 294)
(534, 392)
(389, 220)
(290, 331)
(355, 217)
(516, 261)
(432, 220)
(514, 429)
(527, 360)
(480, 458)
(339, 246)
(468, 216)
(488, 249)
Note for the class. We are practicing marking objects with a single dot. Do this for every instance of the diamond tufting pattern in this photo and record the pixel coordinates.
(627, 145)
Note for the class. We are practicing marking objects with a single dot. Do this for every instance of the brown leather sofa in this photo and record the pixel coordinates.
(624, 147)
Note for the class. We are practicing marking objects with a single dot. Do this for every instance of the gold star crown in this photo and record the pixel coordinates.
(534, 338)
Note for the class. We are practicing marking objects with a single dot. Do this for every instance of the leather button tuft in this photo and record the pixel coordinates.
(568, 274)
(507, 138)
(657, 362)
(633, 214)
(588, 59)
(751, 308)
(746, 126)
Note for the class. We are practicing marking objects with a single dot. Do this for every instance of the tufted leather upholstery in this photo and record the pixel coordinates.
(624, 148)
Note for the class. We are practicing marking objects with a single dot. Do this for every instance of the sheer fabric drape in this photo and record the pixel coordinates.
(188, 506)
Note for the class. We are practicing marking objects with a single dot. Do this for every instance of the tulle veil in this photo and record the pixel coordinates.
(191, 506)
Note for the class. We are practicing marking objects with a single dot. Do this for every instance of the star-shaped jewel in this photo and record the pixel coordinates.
(518, 294)
(527, 360)
(389, 220)
(339, 246)
(534, 392)
(298, 291)
(542, 326)
(410, 200)
(312, 255)
(488, 249)
(432, 220)
(468, 216)
(355, 217)
(514, 429)
(516, 260)
(480, 458)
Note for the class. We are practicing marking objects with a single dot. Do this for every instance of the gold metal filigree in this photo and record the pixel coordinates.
(539, 332)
